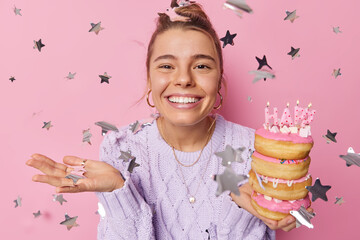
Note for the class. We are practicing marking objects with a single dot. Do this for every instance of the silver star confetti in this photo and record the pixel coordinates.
(12, 79)
(86, 136)
(238, 7)
(69, 222)
(249, 98)
(336, 30)
(96, 28)
(339, 201)
(70, 75)
(318, 190)
(47, 125)
(228, 180)
(101, 210)
(294, 53)
(231, 155)
(17, 202)
(105, 77)
(17, 11)
(38, 45)
(291, 16)
(137, 126)
(126, 156)
(303, 217)
(74, 177)
(259, 74)
(105, 127)
(36, 214)
(59, 198)
(336, 72)
(351, 157)
(132, 165)
(330, 137)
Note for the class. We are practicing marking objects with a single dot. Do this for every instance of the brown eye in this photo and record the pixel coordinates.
(165, 66)
(202, 66)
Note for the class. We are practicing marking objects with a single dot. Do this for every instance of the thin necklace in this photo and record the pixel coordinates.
(173, 148)
(192, 197)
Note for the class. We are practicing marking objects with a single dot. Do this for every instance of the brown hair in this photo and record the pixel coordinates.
(199, 21)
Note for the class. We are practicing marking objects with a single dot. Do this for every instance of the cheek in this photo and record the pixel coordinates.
(159, 82)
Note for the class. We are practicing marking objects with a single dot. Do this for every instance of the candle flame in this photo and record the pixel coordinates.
(268, 104)
(297, 103)
(287, 105)
(309, 106)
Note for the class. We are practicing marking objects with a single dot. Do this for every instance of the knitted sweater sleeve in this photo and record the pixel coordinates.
(127, 215)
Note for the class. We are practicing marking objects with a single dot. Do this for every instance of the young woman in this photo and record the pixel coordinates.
(170, 194)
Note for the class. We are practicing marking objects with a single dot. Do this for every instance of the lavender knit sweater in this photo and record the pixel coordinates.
(154, 203)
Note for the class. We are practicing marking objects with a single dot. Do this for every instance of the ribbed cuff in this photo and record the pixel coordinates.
(123, 202)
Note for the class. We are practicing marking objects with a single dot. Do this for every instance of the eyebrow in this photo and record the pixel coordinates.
(195, 57)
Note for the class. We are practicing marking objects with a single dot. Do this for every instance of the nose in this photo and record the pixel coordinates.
(184, 78)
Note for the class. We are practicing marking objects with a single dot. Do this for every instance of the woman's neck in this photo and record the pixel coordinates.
(187, 138)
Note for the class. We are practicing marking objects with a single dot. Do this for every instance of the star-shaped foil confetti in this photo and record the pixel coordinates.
(105, 77)
(291, 16)
(136, 126)
(69, 222)
(228, 39)
(101, 210)
(228, 180)
(105, 127)
(336, 72)
(86, 136)
(262, 62)
(17, 202)
(330, 137)
(318, 190)
(38, 45)
(37, 214)
(96, 28)
(173, 16)
(336, 30)
(132, 165)
(17, 11)
(59, 198)
(47, 125)
(70, 75)
(259, 74)
(74, 177)
(351, 157)
(237, 6)
(294, 52)
(231, 155)
(303, 217)
(126, 156)
(12, 79)
(249, 98)
(339, 201)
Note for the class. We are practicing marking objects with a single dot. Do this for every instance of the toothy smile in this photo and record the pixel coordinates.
(183, 100)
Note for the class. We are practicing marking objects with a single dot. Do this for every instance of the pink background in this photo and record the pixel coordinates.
(41, 93)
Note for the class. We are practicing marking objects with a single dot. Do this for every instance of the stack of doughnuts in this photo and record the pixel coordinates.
(279, 172)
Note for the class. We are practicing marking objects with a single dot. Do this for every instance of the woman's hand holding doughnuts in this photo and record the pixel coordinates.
(244, 201)
(100, 176)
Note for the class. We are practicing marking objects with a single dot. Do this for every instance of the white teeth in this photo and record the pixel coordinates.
(183, 100)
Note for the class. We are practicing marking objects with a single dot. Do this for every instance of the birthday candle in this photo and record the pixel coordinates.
(299, 113)
(269, 116)
(286, 117)
(309, 116)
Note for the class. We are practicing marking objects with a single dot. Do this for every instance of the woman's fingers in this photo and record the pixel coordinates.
(48, 169)
(54, 181)
(49, 161)
(76, 161)
(82, 185)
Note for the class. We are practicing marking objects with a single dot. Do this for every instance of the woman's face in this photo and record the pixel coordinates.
(184, 75)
